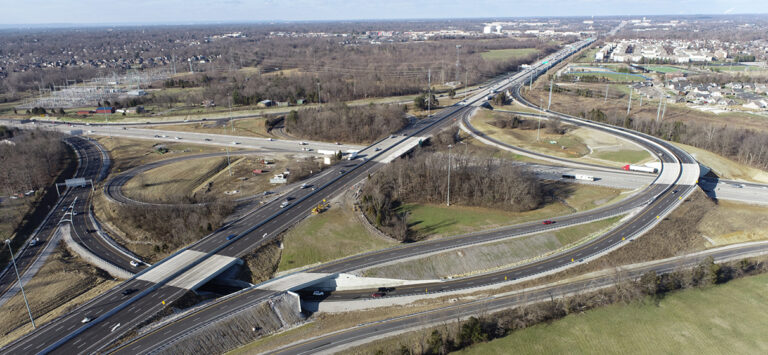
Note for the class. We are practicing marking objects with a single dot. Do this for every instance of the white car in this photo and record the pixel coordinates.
(86, 320)
(177, 138)
(284, 204)
(235, 143)
(270, 139)
(74, 213)
(134, 263)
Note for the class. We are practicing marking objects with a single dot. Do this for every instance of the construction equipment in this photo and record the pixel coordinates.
(321, 207)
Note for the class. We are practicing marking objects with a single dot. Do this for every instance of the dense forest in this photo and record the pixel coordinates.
(29, 159)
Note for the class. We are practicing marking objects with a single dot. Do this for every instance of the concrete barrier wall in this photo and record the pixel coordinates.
(114, 270)
(237, 328)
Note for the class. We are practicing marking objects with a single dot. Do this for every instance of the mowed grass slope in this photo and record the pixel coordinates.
(173, 181)
(334, 234)
(249, 127)
(434, 221)
(724, 319)
(489, 257)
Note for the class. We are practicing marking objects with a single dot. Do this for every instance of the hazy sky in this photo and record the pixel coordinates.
(191, 11)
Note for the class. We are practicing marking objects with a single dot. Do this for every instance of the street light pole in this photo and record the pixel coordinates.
(29, 311)
(448, 202)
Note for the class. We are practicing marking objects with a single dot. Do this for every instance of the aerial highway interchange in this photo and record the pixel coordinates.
(115, 313)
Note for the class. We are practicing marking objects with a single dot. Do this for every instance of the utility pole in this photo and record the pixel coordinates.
(606, 94)
(658, 111)
(629, 105)
(466, 79)
(29, 311)
(448, 202)
(457, 61)
(231, 124)
(538, 130)
(318, 92)
(429, 91)
(550, 95)
(664, 110)
(229, 167)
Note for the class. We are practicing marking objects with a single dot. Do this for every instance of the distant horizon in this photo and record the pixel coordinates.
(54, 25)
(92, 13)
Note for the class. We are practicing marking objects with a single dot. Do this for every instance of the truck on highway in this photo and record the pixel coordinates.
(352, 155)
(642, 169)
(585, 177)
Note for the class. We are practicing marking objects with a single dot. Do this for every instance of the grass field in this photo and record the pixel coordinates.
(724, 167)
(174, 181)
(628, 156)
(435, 221)
(63, 282)
(249, 127)
(611, 76)
(507, 54)
(588, 56)
(731, 222)
(666, 69)
(128, 153)
(331, 235)
(724, 319)
(605, 149)
(489, 257)
(567, 145)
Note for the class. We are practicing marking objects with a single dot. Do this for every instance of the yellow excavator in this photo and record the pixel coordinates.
(321, 207)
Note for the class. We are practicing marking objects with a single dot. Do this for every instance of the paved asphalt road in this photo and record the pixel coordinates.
(90, 167)
(366, 332)
(148, 301)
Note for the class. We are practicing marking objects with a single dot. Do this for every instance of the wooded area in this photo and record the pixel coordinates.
(423, 178)
(29, 159)
(346, 124)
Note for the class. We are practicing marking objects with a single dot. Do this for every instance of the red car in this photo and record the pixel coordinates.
(548, 222)
(378, 294)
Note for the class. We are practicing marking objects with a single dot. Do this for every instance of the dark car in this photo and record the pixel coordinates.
(129, 291)
(386, 289)
(231, 236)
(548, 222)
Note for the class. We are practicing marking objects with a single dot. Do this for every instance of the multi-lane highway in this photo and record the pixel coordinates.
(365, 332)
(113, 315)
(72, 205)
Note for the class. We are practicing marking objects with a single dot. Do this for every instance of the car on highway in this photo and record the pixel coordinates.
(207, 139)
(176, 138)
(386, 289)
(129, 291)
(549, 221)
(378, 294)
(74, 213)
(304, 186)
(318, 293)
(284, 204)
(302, 143)
(377, 149)
(235, 143)
(86, 320)
(34, 242)
(231, 236)
(270, 139)
(393, 136)
(337, 143)
(134, 263)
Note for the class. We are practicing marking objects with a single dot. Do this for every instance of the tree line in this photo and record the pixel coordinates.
(746, 146)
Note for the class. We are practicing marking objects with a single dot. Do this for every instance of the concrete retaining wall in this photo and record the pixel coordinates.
(67, 232)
